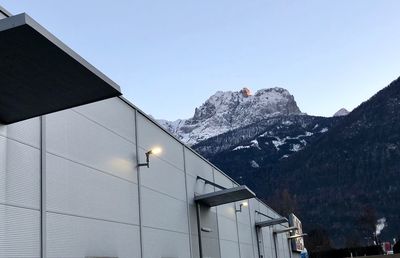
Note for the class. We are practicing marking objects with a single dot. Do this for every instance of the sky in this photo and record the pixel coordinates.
(169, 56)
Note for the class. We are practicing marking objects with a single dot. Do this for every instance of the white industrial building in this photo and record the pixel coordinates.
(74, 181)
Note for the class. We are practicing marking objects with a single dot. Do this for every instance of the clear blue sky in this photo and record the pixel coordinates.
(169, 56)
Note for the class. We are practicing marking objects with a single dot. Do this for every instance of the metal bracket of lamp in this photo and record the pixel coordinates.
(243, 204)
(297, 236)
(155, 151)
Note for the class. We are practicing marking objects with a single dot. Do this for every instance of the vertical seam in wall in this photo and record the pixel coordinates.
(251, 223)
(187, 203)
(138, 186)
(237, 229)
(43, 229)
(260, 234)
(216, 214)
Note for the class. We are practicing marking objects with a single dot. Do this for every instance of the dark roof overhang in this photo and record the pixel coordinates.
(39, 74)
(221, 197)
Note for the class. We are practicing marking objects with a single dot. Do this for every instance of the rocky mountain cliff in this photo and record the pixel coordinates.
(225, 111)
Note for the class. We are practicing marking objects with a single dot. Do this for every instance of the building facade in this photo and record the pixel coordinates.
(71, 186)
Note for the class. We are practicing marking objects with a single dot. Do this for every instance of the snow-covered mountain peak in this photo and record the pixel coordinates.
(227, 110)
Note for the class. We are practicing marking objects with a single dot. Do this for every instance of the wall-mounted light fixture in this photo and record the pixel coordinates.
(155, 151)
(243, 204)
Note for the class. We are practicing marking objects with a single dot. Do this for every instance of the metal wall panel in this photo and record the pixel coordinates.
(227, 229)
(19, 232)
(227, 211)
(246, 251)
(282, 246)
(165, 178)
(27, 131)
(196, 166)
(268, 242)
(150, 135)
(165, 244)
(163, 212)
(71, 236)
(208, 218)
(229, 249)
(92, 192)
(71, 135)
(222, 180)
(244, 233)
(76, 189)
(210, 247)
(19, 174)
(113, 114)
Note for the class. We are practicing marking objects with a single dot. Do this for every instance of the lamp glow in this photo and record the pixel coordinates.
(245, 204)
(156, 150)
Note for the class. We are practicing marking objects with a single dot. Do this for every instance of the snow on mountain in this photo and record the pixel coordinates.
(228, 110)
(341, 112)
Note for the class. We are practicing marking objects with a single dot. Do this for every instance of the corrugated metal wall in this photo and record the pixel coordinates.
(96, 202)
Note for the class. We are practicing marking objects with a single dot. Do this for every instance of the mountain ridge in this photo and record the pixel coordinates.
(228, 110)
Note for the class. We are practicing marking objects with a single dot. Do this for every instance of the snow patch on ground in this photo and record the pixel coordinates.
(278, 142)
(266, 134)
(241, 147)
(296, 147)
(254, 164)
(254, 143)
(287, 122)
(324, 130)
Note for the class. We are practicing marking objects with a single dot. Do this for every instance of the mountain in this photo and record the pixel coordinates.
(338, 174)
(247, 151)
(341, 112)
(350, 176)
(271, 139)
(225, 111)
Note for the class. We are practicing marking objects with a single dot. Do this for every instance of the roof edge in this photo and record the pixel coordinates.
(4, 11)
